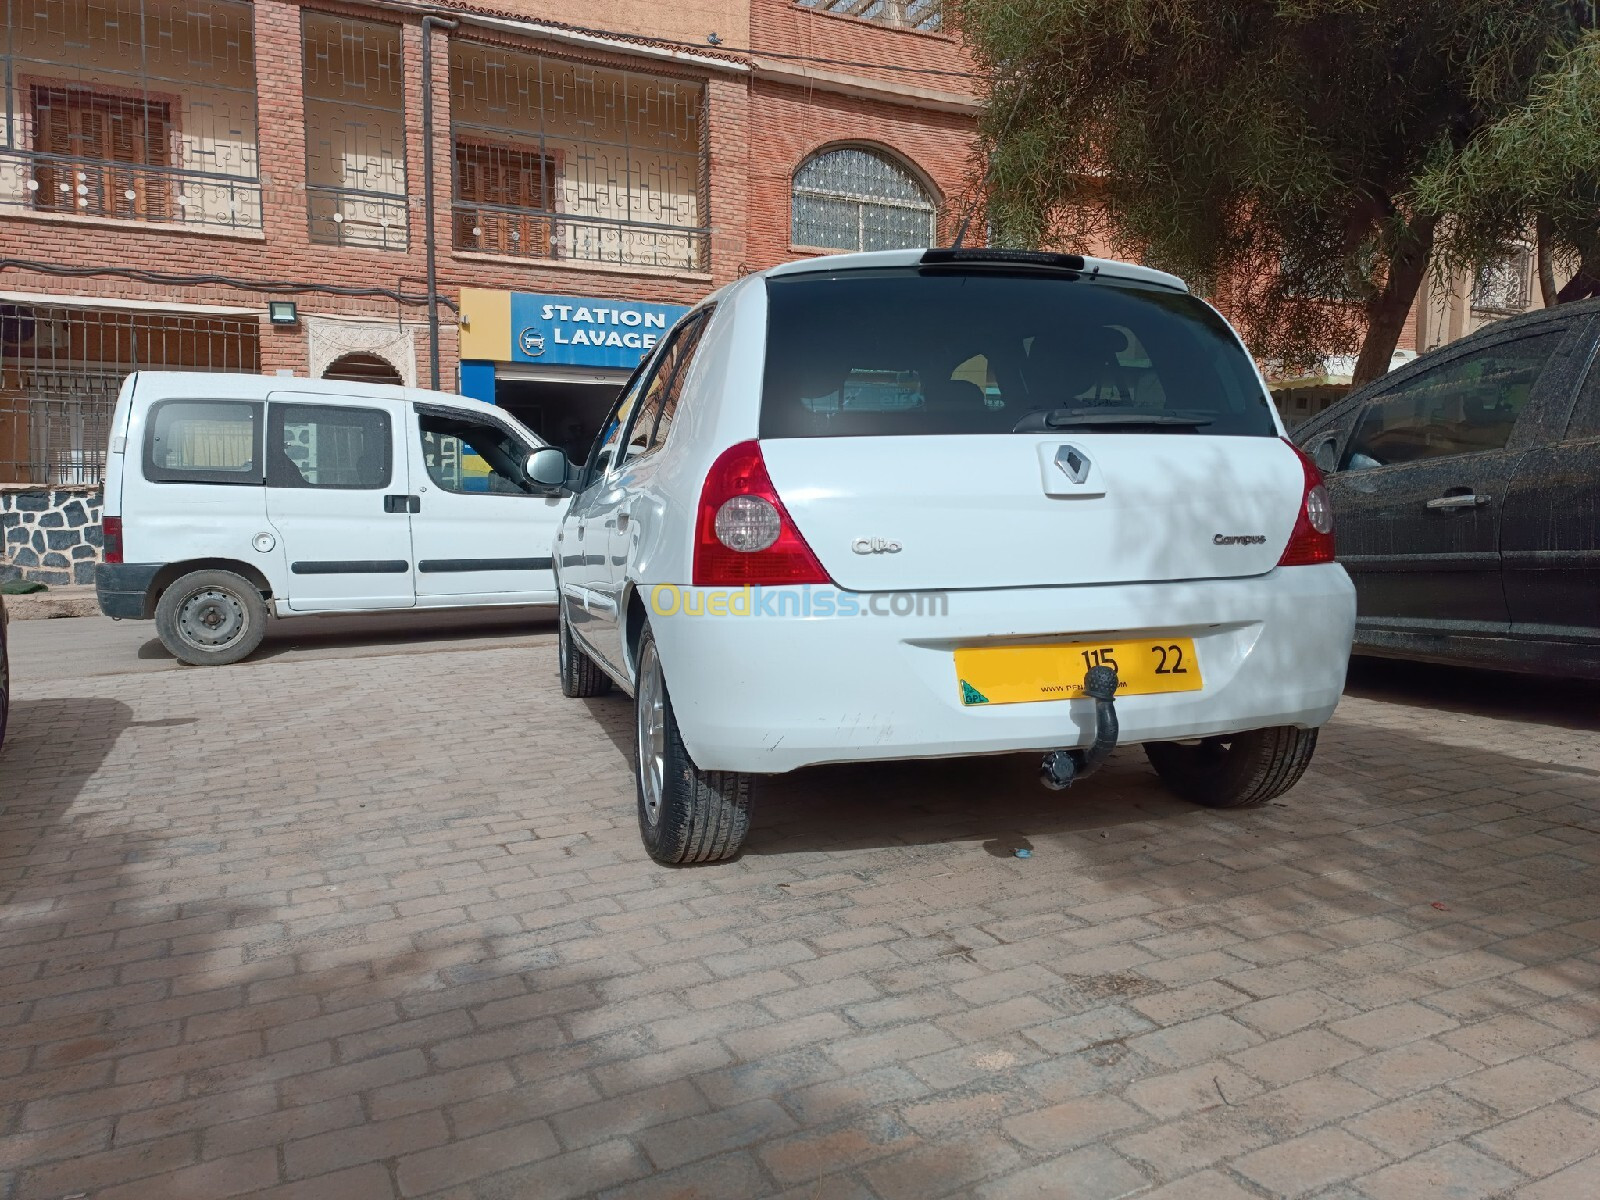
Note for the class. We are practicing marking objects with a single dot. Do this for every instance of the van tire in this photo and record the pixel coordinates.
(580, 675)
(1236, 770)
(211, 618)
(686, 815)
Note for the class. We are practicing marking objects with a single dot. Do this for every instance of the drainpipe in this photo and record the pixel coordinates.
(429, 24)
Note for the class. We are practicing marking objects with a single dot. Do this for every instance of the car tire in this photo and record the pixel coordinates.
(686, 815)
(580, 674)
(211, 618)
(1237, 770)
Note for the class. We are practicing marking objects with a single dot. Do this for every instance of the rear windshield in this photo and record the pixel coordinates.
(940, 351)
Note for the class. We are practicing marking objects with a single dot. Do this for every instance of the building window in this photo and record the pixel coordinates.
(555, 159)
(61, 367)
(80, 134)
(506, 199)
(857, 199)
(924, 15)
(1503, 285)
(143, 110)
(352, 74)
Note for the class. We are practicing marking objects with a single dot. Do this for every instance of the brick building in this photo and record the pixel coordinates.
(244, 185)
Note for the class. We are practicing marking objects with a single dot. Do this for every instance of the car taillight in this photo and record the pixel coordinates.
(1312, 539)
(743, 534)
(111, 539)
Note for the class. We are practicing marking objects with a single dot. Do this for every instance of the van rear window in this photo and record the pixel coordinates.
(204, 441)
(951, 351)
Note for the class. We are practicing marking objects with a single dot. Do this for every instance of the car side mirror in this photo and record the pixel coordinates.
(1326, 455)
(548, 468)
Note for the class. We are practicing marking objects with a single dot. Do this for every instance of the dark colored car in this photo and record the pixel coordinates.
(1466, 495)
(5, 675)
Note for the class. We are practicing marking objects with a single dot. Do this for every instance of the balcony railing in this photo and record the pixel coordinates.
(527, 233)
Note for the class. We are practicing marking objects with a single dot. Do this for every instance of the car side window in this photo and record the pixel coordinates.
(1585, 421)
(473, 457)
(1467, 405)
(328, 446)
(674, 391)
(203, 441)
(661, 393)
(612, 432)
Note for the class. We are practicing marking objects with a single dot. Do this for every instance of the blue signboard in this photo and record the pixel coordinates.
(579, 331)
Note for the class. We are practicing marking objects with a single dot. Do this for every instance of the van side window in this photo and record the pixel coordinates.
(203, 441)
(467, 456)
(328, 446)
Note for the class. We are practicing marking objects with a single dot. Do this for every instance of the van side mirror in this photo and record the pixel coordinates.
(548, 468)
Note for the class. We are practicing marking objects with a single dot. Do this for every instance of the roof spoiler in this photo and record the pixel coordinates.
(986, 254)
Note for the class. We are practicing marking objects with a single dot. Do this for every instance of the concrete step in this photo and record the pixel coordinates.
(57, 602)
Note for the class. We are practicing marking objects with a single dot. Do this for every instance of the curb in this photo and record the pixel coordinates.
(48, 606)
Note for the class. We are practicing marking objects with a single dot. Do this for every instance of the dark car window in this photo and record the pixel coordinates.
(940, 351)
(1462, 406)
(1586, 417)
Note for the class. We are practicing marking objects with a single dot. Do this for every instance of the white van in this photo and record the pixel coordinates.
(229, 496)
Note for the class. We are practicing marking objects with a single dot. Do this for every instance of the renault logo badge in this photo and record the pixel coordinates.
(1074, 463)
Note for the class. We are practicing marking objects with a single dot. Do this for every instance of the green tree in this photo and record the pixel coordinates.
(1271, 151)
(1537, 165)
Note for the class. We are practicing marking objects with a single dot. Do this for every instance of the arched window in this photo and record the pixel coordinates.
(363, 368)
(857, 199)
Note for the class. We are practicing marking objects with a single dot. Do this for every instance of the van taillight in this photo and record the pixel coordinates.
(1312, 539)
(743, 535)
(111, 539)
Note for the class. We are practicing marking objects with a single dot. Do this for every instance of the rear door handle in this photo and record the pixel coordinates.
(622, 518)
(1469, 500)
(402, 504)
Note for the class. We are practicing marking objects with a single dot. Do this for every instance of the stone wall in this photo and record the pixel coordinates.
(51, 535)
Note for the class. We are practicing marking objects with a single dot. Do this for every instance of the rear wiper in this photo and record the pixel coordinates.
(1043, 421)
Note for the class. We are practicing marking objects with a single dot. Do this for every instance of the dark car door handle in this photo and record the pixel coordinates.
(1466, 500)
(402, 504)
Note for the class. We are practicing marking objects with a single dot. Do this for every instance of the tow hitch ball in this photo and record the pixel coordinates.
(1061, 767)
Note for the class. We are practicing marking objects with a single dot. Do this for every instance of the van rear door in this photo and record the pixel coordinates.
(339, 498)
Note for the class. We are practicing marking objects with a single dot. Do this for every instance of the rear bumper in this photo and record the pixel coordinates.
(123, 589)
(768, 694)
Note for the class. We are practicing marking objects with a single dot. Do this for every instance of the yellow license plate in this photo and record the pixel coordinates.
(1019, 674)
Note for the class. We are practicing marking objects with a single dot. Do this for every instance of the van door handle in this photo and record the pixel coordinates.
(622, 519)
(402, 504)
(1465, 500)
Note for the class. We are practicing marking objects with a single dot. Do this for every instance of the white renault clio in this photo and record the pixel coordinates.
(915, 504)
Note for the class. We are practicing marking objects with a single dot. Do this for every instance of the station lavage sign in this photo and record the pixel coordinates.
(584, 332)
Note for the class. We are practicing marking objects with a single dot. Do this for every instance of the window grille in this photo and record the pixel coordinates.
(1503, 285)
(925, 15)
(61, 369)
(555, 159)
(857, 199)
(353, 73)
(138, 110)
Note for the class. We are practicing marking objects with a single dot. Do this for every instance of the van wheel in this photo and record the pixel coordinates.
(580, 676)
(1235, 770)
(211, 618)
(686, 815)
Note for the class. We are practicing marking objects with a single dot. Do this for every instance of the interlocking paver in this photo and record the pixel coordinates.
(347, 956)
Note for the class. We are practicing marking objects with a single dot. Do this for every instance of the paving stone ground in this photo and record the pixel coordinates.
(376, 922)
